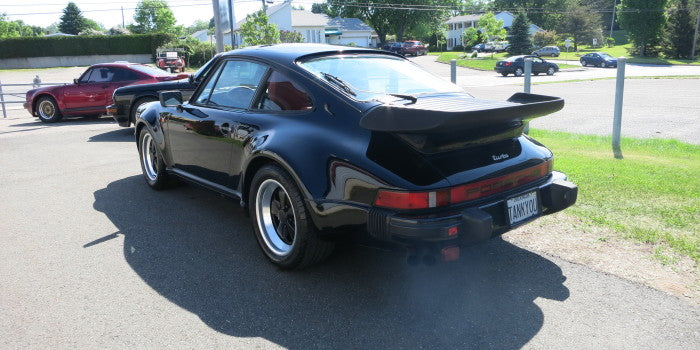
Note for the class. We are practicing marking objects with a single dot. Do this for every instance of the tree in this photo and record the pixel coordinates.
(257, 30)
(10, 29)
(153, 16)
(471, 37)
(582, 24)
(520, 41)
(491, 27)
(290, 36)
(388, 18)
(72, 21)
(197, 26)
(643, 25)
(545, 13)
(544, 38)
(94, 25)
(680, 31)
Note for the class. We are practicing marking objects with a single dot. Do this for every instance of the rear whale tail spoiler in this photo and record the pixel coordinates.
(439, 115)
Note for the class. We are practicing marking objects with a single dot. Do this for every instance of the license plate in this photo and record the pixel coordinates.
(522, 207)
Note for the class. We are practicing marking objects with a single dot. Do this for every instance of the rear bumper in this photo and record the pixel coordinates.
(117, 112)
(471, 224)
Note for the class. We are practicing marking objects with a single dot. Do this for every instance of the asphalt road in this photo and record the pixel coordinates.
(93, 258)
(652, 108)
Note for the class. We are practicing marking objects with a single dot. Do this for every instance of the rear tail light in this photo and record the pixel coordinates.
(507, 63)
(443, 197)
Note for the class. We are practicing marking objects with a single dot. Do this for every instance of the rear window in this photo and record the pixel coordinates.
(365, 76)
(148, 70)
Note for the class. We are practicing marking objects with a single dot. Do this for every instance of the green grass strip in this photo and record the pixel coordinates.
(652, 195)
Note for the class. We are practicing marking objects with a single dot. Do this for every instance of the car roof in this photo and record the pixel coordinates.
(287, 53)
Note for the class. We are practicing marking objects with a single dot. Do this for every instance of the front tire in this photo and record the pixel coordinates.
(281, 222)
(550, 71)
(152, 163)
(47, 110)
(584, 63)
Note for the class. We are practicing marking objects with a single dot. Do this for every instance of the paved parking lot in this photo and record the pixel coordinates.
(93, 258)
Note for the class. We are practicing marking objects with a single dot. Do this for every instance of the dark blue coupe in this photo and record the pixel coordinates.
(319, 142)
(598, 59)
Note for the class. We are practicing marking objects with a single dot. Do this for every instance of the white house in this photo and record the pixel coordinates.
(458, 24)
(314, 27)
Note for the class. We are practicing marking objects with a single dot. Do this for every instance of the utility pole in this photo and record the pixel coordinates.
(264, 6)
(612, 21)
(232, 20)
(218, 33)
(123, 25)
(695, 37)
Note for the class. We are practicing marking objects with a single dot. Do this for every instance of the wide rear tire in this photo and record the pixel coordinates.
(281, 222)
(152, 163)
(137, 104)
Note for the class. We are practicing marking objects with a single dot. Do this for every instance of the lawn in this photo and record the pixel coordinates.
(652, 195)
(621, 50)
(481, 63)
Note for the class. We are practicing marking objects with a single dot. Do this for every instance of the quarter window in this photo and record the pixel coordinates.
(282, 94)
(235, 85)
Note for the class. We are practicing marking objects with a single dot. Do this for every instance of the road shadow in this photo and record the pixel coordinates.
(197, 250)
(68, 121)
(117, 135)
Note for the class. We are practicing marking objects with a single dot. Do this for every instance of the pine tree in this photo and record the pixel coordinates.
(72, 21)
(520, 40)
(680, 31)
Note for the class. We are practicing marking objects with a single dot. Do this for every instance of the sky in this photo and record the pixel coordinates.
(45, 12)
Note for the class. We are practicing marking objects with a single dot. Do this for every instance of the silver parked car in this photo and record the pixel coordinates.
(547, 51)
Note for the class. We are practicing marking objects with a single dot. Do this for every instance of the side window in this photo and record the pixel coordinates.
(235, 86)
(536, 60)
(98, 75)
(121, 74)
(282, 94)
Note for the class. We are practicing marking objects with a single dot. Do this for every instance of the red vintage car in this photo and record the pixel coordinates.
(89, 94)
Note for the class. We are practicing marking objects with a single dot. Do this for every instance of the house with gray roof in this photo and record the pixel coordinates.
(458, 24)
(315, 27)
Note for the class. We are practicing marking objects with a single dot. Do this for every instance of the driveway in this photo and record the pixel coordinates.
(93, 258)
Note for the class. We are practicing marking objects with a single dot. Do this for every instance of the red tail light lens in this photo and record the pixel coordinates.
(507, 63)
(461, 193)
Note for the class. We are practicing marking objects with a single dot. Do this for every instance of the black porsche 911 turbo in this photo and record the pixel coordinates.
(318, 141)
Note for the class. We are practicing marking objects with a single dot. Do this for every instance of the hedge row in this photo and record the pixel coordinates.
(82, 45)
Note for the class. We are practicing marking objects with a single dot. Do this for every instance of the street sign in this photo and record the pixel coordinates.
(567, 43)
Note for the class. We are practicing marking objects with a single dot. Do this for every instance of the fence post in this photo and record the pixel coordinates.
(2, 102)
(453, 71)
(526, 89)
(617, 117)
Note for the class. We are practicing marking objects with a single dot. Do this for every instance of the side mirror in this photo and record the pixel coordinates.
(170, 98)
(75, 81)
